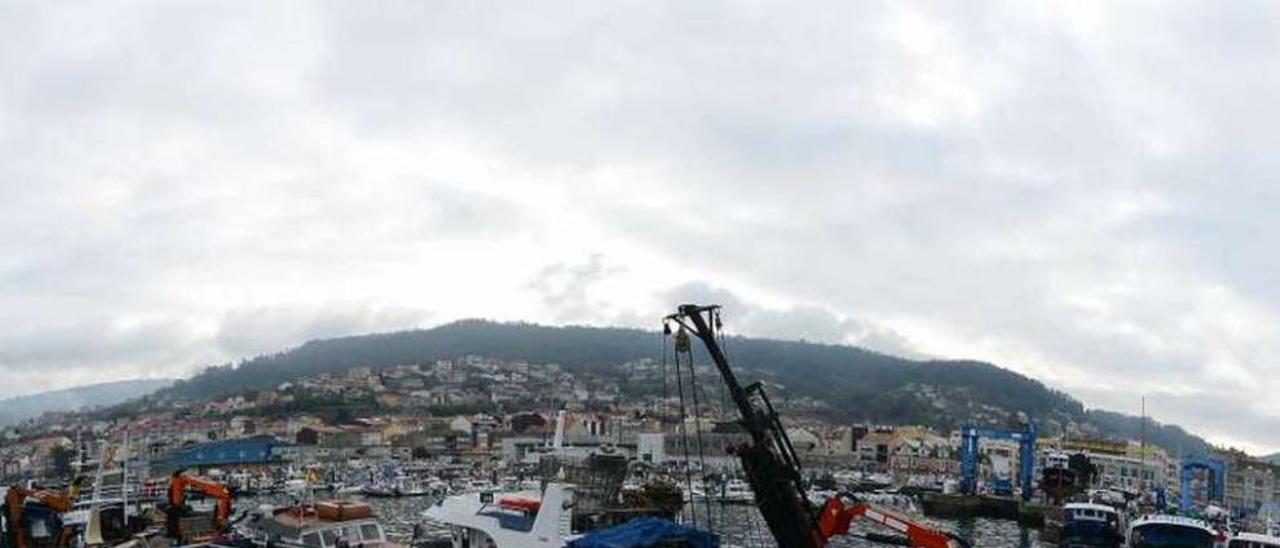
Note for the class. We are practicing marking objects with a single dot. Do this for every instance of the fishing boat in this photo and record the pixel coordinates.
(1253, 540)
(512, 520)
(1057, 479)
(1269, 539)
(1090, 525)
(1165, 531)
(329, 524)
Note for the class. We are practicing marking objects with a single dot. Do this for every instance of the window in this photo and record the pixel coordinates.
(330, 537)
(371, 532)
(311, 539)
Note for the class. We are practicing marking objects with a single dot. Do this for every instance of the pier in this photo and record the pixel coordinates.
(951, 506)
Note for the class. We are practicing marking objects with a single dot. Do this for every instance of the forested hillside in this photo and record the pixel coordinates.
(13, 410)
(858, 385)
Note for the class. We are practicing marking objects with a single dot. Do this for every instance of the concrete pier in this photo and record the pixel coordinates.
(962, 506)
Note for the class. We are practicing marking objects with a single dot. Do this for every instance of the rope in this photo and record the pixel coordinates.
(661, 405)
(684, 439)
(697, 427)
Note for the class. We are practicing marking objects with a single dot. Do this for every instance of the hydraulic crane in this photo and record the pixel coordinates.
(178, 486)
(770, 462)
(837, 516)
(58, 502)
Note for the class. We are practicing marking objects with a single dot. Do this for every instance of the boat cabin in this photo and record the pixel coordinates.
(1088, 511)
(332, 524)
(1089, 524)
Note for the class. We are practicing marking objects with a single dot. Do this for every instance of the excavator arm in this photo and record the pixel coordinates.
(179, 484)
(837, 516)
(56, 501)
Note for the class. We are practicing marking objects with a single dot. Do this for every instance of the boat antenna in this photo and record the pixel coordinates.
(1142, 469)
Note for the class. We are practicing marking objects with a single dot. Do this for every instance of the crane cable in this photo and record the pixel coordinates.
(666, 332)
(697, 427)
(682, 343)
(722, 392)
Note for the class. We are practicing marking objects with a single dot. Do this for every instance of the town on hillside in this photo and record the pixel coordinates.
(475, 423)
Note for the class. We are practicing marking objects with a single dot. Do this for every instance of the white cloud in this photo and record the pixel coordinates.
(1079, 192)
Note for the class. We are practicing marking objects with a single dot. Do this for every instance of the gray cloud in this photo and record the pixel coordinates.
(803, 322)
(1078, 192)
(248, 332)
(564, 288)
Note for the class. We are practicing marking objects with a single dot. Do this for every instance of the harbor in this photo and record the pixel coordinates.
(424, 274)
(574, 474)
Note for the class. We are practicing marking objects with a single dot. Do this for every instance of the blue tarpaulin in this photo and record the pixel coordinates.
(647, 531)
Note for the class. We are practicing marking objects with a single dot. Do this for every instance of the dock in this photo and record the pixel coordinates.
(950, 506)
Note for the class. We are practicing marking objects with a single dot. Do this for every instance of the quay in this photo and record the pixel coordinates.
(953, 506)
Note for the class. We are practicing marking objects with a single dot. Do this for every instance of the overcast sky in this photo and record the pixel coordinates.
(1082, 192)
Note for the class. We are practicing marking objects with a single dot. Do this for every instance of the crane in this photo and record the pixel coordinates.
(837, 516)
(178, 486)
(769, 460)
(57, 501)
(1026, 456)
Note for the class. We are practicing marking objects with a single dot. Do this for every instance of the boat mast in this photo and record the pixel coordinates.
(768, 460)
(1142, 470)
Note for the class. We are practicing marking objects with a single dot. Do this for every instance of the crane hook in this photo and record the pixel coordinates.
(682, 340)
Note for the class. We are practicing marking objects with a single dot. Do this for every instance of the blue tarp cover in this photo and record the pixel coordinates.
(646, 531)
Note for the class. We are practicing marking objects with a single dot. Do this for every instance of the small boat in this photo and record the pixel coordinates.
(513, 520)
(736, 491)
(1253, 540)
(1057, 479)
(327, 524)
(1090, 525)
(1165, 531)
(398, 487)
(696, 492)
(349, 489)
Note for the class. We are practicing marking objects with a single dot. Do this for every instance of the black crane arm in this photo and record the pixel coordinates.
(769, 460)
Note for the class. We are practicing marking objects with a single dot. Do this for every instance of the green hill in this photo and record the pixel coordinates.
(858, 385)
(14, 410)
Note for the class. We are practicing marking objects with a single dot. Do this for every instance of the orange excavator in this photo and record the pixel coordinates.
(176, 526)
(56, 501)
(837, 516)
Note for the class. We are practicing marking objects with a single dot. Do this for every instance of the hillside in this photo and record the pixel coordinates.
(857, 385)
(14, 410)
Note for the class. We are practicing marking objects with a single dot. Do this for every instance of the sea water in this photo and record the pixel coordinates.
(738, 525)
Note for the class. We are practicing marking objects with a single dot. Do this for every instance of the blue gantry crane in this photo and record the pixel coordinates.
(1214, 485)
(1026, 439)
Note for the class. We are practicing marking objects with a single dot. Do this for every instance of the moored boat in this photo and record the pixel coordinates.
(512, 520)
(1253, 540)
(1090, 525)
(328, 524)
(1164, 531)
